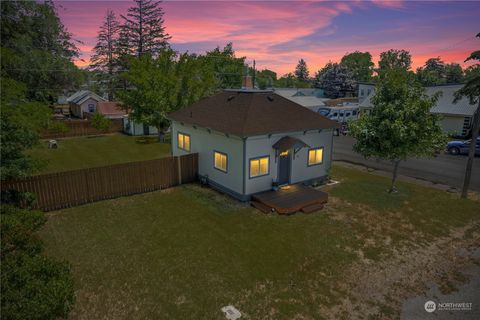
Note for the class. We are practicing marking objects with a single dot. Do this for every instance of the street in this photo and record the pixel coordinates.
(443, 169)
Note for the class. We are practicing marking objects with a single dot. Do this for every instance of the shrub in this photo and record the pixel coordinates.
(100, 122)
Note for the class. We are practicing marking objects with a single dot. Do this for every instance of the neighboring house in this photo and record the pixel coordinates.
(456, 117)
(83, 101)
(61, 107)
(312, 99)
(111, 109)
(137, 129)
(249, 140)
(364, 90)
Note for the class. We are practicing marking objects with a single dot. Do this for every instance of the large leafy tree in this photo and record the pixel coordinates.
(164, 84)
(228, 68)
(301, 71)
(143, 29)
(265, 78)
(105, 53)
(360, 64)
(432, 73)
(37, 50)
(399, 125)
(394, 59)
(454, 73)
(335, 80)
(471, 90)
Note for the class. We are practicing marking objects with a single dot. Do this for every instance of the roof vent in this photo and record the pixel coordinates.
(230, 98)
(191, 114)
(270, 98)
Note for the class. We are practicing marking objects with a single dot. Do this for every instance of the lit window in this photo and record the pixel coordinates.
(259, 167)
(220, 161)
(183, 141)
(315, 156)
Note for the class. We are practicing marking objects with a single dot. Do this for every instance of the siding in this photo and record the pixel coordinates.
(452, 124)
(300, 171)
(205, 143)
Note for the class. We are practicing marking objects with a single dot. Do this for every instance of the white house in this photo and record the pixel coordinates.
(249, 140)
(456, 117)
(133, 128)
(83, 101)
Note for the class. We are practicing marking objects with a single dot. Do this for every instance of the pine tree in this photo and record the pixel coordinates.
(144, 28)
(301, 71)
(105, 54)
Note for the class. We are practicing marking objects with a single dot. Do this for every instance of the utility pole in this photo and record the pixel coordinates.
(254, 74)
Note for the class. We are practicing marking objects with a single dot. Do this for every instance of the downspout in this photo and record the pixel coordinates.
(244, 179)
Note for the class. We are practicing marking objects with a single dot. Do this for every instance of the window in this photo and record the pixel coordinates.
(91, 107)
(335, 114)
(347, 114)
(183, 141)
(362, 92)
(368, 91)
(315, 156)
(259, 167)
(220, 161)
(354, 112)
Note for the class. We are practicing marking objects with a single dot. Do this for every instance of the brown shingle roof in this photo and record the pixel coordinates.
(110, 108)
(249, 113)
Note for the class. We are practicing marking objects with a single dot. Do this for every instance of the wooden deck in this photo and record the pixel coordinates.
(291, 199)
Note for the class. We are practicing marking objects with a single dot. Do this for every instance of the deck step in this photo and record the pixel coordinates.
(312, 208)
(261, 206)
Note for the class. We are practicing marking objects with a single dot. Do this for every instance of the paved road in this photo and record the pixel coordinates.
(444, 169)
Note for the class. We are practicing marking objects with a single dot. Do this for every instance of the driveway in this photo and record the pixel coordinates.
(444, 169)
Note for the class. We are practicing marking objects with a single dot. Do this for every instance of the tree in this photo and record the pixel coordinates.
(144, 28)
(471, 90)
(164, 84)
(265, 78)
(394, 59)
(399, 125)
(100, 122)
(335, 80)
(301, 71)
(360, 64)
(288, 80)
(105, 56)
(37, 50)
(227, 67)
(454, 73)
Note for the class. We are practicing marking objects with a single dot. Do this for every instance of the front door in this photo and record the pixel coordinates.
(284, 168)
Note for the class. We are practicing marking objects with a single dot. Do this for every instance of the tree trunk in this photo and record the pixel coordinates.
(471, 151)
(393, 188)
(160, 135)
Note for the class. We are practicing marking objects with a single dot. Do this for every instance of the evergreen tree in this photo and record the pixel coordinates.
(144, 28)
(301, 71)
(105, 54)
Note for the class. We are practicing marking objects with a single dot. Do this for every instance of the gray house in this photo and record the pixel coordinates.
(251, 140)
(83, 101)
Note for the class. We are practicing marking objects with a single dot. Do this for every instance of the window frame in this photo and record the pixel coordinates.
(308, 157)
(189, 141)
(226, 161)
(250, 166)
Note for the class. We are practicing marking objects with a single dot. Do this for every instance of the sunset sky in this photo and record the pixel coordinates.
(278, 33)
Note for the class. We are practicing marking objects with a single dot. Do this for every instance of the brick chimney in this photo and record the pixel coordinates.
(247, 82)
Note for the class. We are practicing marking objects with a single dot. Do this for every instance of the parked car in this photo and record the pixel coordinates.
(462, 147)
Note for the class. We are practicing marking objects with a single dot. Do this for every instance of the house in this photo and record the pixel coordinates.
(83, 101)
(111, 109)
(364, 90)
(250, 140)
(312, 99)
(137, 129)
(456, 117)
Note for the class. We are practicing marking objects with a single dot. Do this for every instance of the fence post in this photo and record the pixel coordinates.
(179, 165)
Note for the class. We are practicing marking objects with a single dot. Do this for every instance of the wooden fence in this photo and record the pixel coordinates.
(77, 128)
(72, 188)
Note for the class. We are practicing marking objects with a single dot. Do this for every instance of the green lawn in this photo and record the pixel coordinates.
(94, 151)
(185, 252)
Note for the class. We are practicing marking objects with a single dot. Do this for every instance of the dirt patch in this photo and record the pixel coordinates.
(378, 290)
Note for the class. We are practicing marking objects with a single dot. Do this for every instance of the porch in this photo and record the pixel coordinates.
(290, 199)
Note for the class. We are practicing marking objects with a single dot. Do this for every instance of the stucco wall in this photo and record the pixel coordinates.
(205, 143)
(300, 171)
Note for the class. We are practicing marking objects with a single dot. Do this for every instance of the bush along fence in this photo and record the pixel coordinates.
(72, 188)
(75, 128)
